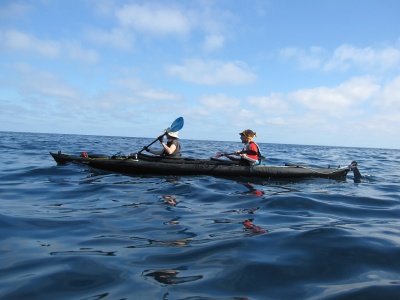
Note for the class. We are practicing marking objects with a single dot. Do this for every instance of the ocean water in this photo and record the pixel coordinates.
(71, 232)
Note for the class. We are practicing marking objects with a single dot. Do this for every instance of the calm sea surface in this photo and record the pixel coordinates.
(70, 232)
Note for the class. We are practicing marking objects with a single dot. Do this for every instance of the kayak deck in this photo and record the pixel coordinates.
(155, 165)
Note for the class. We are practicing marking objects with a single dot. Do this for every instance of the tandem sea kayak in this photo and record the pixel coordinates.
(139, 164)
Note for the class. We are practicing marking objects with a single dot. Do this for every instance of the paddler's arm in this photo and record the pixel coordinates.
(156, 152)
(171, 149)
(237, 153)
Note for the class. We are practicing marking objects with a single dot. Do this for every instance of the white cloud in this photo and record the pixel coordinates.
(18, 41)
(347, 56)
(344, 57)
(272, 121)
(211, 72)
(136, 86)
(156, 94)
(116, 37)
(219, 102)
(151, 19)
(76, 52)
(130, 83)
(307, 59)
(109, 103)
(362, 107)
(213, 42)
(272, 104)
(154, 19)
(360, 88)
(35, 82)
(212, 107)
(382, 124)
(50, 88)
(103, 8)
(390, 98)
(335, 101)
(14, 40)
(14, 10)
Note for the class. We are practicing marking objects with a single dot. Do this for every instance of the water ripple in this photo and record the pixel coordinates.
(71, 232)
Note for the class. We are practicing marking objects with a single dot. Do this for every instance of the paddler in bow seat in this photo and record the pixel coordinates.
(171, 149)
(250, 154)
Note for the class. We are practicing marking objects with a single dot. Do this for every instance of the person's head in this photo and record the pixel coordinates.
(172, 135)
(247, 135)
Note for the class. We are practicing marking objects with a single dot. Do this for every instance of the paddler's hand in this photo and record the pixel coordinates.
(237, 152)
(161, 138)
(145, 148)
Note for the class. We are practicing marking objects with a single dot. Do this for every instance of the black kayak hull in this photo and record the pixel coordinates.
(146, 164)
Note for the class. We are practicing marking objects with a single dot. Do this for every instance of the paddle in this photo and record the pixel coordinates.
(175, 126)
(220, 154)
(356, 172)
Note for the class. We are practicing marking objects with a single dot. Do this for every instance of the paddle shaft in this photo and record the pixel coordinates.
(233, 153)
(151, 143)
(219, 154)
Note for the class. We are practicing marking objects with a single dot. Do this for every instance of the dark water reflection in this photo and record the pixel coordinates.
(70, 232)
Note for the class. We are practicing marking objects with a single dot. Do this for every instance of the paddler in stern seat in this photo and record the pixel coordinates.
(250, 154)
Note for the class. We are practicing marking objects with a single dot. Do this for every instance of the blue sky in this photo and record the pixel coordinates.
(296, 72)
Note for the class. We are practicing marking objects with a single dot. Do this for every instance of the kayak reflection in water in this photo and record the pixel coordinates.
(170, 200)
(250, 154)
(252, 190)
(170, 277)
(254, 228)
(170, 149)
